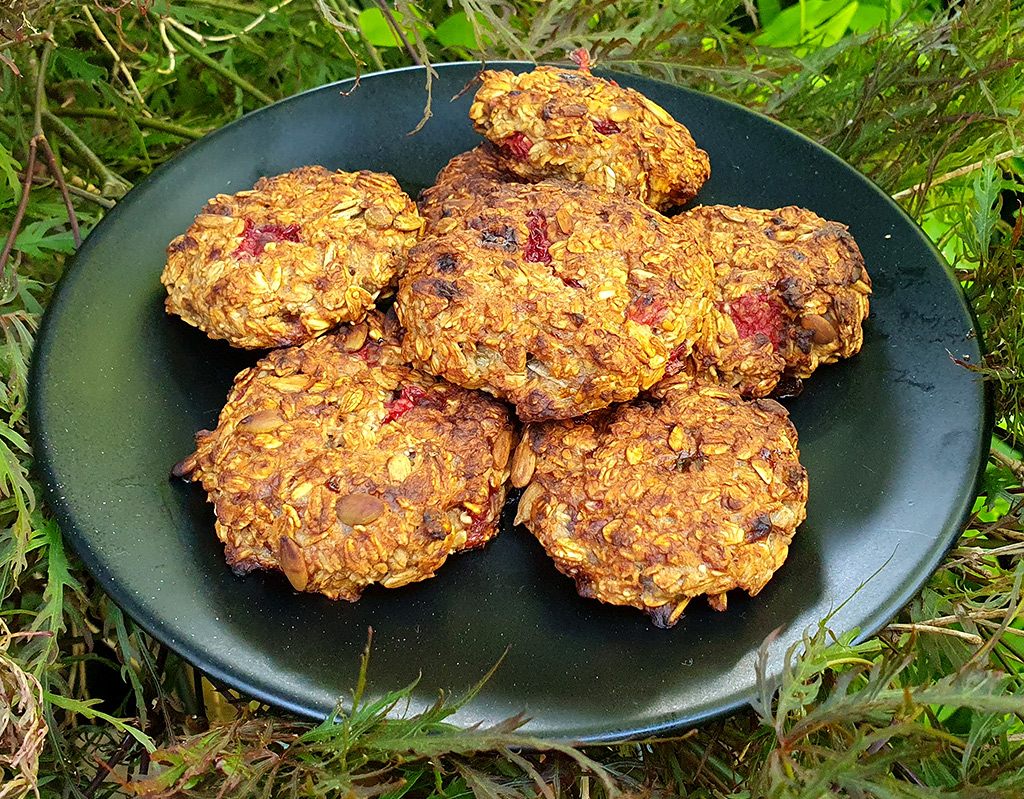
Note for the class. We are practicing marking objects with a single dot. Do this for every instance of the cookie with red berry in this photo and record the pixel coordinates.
(291, 258)
(655, 502)
(554, 296)
(791, 293)
(570, 124)
(339, 465)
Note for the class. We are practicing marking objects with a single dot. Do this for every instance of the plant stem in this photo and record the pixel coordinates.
(22, 205)
(143, 122)
(929, 628)
(956, 173)
(58, 177)
(39, 180)
(39, 100)
(118, 63)
(113, 184)
(224, 5)
(390, 17)
(219, 68)
(37, 135)
(105, 768)
(354, 24)
(1015, 466)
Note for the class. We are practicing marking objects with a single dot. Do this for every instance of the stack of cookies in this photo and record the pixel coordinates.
(541, 297)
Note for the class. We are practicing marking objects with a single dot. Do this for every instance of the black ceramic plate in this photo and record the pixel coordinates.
(892, 440)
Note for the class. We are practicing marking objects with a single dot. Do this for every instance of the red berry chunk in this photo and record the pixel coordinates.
(675, 361)
(755, 313)
(369, 353)
(408, 398)
(518, 145)
(581, 58)
(536, 249)
(254, 238)
(647, 310)
(605, 126)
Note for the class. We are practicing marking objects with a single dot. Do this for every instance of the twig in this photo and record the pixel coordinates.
(58, 176)
(390, 17)
(22, 205)
(30, 166)
(44, 36)
(40, 93)
(430, 71)
(228, 37)
(219, 68)
(10, 64)
(225, 5)
(127, 744)
(39, 108)
(184, 29)
(339, 27)
(39, 180)
(992, 625)
(1015, 466)
(928, 628)
(144, 122)
(117, 57)
(331, 15)
(956, 173)
(942, 621)
(171, 52)
(113, 184)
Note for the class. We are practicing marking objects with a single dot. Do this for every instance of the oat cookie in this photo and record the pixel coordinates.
(292, 258)
(341, 466)
(570, 124)
(652, 503)
(462, 183)
(791, 294)
(555, 297)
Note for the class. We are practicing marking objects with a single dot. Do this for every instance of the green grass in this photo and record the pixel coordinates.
(925, 100)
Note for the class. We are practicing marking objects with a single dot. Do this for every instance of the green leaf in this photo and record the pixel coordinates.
(378, 32)
(984, 214)
(9, 167)
(767, 10)
(34, 238)
(833, 30)
(868, 17)
(457, 31)
(71, 63)
(802, 23)
(85, 708)
(50, 618)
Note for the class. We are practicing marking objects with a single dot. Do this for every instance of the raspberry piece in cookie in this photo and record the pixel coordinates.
(290, 259)
(339, 465)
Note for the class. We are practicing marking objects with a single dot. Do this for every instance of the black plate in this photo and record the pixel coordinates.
(892, 441)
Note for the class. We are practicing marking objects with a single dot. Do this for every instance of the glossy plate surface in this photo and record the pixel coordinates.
(892, 441)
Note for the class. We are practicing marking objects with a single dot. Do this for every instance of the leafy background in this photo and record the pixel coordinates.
(925, 97)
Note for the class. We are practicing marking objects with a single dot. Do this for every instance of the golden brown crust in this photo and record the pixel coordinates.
(650, 504)
(291, 258)
(791, 294)
(460, 185)
(552, 296)
(341, 466)
(569, 124)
